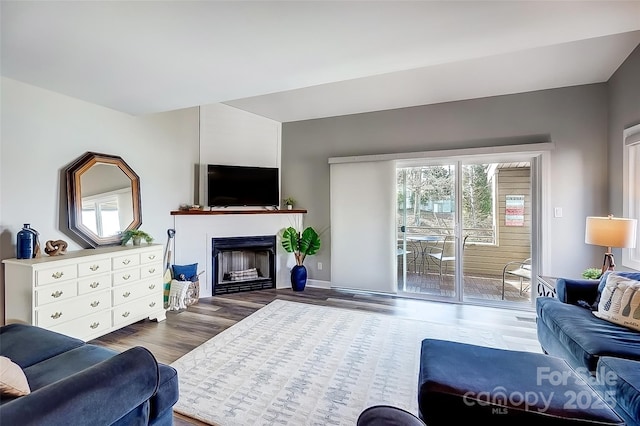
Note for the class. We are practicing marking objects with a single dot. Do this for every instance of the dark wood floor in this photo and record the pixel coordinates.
(185, 330)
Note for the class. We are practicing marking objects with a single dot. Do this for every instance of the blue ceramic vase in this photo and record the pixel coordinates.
(298, 278)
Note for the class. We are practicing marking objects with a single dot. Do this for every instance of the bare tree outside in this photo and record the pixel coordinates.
(430, 200)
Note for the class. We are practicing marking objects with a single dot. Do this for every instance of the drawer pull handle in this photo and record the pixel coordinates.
(56, 315)
(126, 277)
(125, 314)
(152, 304)
(151, 257)
(56, 294)
(95, 303)
(94, 284)
(94, 267)
(127, 294)
(126, 261)
(57, 275)
(152, 270)
(152, 286)
(95, 325)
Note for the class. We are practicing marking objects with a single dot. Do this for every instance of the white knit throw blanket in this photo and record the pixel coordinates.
(178, 295)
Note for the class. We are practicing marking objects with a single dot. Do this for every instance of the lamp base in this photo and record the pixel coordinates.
(608, 264)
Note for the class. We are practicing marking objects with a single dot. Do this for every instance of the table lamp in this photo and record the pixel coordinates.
(610, 232)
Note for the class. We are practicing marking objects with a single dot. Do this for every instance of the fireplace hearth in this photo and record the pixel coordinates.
(243, 263)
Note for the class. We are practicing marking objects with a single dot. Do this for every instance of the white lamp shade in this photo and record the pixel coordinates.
(611, 232)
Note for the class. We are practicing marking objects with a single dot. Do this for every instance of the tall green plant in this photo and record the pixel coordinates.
(301, 244)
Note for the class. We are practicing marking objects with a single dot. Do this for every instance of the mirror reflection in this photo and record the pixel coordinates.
(107, 199)
(103, 198)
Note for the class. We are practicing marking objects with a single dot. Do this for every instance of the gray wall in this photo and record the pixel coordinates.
(574, 118)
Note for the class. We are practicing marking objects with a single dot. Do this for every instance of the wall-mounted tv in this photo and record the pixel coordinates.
(229, 186)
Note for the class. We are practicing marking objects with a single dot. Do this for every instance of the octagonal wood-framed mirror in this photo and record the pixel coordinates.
(103, 198)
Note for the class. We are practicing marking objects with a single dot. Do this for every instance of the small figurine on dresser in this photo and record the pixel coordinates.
(55, 248)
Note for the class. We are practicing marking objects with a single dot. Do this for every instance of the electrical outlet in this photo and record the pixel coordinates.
(319, 266)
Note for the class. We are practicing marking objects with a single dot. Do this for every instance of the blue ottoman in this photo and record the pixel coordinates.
(459, 381)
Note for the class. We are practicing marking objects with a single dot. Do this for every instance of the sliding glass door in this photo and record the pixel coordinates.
(427, 230)
(464, 230)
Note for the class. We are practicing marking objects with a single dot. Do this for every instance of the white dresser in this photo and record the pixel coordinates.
(86, 293)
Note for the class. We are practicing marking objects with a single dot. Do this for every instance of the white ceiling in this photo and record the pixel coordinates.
(297, 60)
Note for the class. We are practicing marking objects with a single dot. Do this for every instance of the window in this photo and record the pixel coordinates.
(100, 215)
(631, 188)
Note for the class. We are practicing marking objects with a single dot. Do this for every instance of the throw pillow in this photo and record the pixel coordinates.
(13, 382)
(185, 272)
(603, 281)
(620, 302)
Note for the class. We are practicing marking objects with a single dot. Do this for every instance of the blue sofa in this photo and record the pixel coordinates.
(73, 382)
(595, 348)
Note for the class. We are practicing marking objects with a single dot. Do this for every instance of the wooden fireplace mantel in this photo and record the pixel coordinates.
(234, 211)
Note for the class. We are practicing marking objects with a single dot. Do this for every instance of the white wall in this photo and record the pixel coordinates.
(43, 132)
(234, 137)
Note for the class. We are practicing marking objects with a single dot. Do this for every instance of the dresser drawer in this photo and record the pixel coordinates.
(95, 283)
(57, 274)
(127, 261)
(57, 313)
(126, 293)
(125, 276)
(153, 285)
(56, 292)
(137, 310)
(151, 270)
(88, 325)
(152, 256)
(94, 267)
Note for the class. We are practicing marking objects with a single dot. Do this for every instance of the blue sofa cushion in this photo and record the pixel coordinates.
(584, 336)
(458, 382)
(620, 380)
(66, 364)
(40, 344)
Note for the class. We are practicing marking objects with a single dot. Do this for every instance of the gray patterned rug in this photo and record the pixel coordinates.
(298, 364)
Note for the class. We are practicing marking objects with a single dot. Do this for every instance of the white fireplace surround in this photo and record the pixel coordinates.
(192, 240)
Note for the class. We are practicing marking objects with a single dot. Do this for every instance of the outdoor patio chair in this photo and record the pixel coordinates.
(520, 269)
(439, 255)
(411, 255)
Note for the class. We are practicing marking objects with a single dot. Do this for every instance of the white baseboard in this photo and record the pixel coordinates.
(319, 283)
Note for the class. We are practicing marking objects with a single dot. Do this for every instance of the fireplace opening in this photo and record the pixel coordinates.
(243, 263)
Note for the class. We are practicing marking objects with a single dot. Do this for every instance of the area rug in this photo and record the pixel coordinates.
(299, 364)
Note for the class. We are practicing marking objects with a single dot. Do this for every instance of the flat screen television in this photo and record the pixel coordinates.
(242, 186)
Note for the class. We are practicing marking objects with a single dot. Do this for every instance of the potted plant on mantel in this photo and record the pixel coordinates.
(136, 235)
(301, 244)
(289, 202)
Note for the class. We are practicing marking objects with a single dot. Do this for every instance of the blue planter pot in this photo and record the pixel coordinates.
(298, 278)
